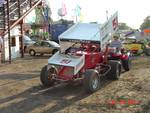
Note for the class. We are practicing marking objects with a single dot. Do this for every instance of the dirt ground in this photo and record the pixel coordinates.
(22, 92)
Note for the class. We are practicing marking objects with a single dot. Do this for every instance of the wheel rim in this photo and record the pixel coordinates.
(117, 71)
(49, 76)
(52, 73)
(95, 83)
(32, 52)
(129, 64)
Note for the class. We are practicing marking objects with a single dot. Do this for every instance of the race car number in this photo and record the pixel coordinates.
(115, 23)
(65, 61)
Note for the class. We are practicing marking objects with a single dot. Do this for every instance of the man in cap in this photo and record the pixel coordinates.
(1, 47)
(116, 42)
(1, 43)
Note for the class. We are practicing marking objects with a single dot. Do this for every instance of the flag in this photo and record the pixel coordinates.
(77, 10)
(64, 9)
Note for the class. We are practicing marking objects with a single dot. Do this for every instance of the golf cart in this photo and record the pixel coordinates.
(135, 47)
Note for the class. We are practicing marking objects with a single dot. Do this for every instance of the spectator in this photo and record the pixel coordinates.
(1, 47)
(1, 44)
(116, 42)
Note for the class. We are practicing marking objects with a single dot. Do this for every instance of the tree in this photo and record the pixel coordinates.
(124, 26)
(146, 23)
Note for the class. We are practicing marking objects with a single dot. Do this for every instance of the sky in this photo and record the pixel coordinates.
(131, 12)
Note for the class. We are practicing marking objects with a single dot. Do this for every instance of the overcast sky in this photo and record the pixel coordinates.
(131, 12)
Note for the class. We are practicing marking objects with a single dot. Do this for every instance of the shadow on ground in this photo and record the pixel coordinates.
(16, 77)
(58, 97)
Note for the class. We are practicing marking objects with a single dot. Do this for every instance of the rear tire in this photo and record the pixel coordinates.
(115, 70)
(91, 81)
(45, 77)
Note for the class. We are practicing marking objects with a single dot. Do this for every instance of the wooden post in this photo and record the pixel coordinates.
(9, 41)
(21, 28)
(30, 2)
(22, 45)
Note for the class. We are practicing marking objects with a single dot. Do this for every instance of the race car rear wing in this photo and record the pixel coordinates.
(89, 33)
(79, 33)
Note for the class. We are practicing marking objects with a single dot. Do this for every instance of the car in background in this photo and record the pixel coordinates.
(137, 47)
(43, 47)
(27, 40)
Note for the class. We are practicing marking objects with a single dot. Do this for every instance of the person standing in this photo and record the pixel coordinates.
(116, 42)
(1, 47)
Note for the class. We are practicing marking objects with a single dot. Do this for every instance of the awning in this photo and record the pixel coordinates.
(146, 30)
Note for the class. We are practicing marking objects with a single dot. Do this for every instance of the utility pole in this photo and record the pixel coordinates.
(106, 15)
(9, 41)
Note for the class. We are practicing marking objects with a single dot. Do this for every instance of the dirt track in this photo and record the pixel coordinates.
(21, 91)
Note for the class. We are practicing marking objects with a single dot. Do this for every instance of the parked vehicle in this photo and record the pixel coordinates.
(43, 47)
(137, 47)
(27, 40)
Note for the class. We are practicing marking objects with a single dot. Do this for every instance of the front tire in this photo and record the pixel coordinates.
(45, 77)
(91, 81)
(115, 70)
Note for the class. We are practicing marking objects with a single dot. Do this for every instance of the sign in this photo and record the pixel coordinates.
(75, 62)
(108, 28)
(114, 22)
(65, 61)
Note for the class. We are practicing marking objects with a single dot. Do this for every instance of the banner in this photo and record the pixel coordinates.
(114, 22)
(108, 28)
(77, 10)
